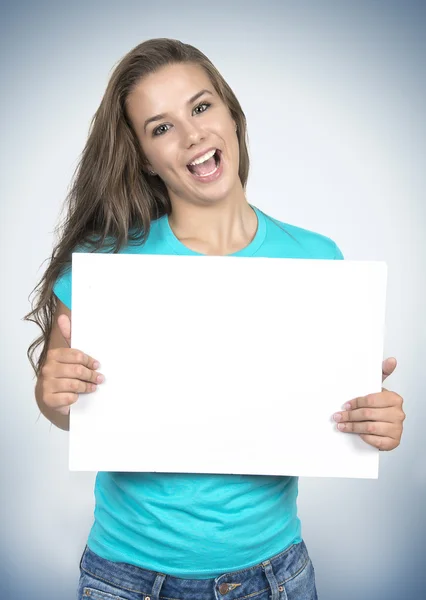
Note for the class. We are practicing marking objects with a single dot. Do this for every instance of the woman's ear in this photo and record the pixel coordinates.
(148, 169)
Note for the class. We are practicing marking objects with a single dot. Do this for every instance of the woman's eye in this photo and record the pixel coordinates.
(160, 130)
(205, 104)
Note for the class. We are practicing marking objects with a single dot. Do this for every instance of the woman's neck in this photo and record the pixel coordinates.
(219, 229)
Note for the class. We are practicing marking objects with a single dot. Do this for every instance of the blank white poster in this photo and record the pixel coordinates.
(221, 364)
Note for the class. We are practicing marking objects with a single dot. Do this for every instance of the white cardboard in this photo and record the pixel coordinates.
(220, 364)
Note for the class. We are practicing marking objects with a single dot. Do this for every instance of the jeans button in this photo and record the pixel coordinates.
(224, 588)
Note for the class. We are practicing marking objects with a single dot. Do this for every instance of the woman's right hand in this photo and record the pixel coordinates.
(67, 372)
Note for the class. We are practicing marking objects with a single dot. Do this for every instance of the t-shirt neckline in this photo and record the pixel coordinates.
(179, 248)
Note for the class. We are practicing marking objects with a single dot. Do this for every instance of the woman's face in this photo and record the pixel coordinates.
(178, 118)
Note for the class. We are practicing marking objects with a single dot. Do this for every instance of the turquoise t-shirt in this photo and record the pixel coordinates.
(194, 525)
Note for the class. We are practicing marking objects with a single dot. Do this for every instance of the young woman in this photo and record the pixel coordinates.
(164, 171)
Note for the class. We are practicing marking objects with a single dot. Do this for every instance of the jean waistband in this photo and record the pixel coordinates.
(270, 574)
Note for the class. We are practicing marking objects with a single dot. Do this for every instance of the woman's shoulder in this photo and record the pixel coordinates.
(314, 242)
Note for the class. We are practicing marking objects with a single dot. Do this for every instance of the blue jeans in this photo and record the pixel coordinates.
(285, 576)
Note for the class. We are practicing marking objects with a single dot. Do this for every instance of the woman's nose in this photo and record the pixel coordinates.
(192, 134)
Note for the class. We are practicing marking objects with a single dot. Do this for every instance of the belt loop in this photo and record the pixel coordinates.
(156, 588)
(82, 556)
(267, 567)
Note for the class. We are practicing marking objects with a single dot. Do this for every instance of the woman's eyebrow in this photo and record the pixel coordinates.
(190, 101)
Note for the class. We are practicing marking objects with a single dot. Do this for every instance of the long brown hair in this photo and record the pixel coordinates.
(112, 200)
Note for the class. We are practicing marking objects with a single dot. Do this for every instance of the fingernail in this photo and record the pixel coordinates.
(96, 365)
(341, 426)
(100, 378)
(348, 406)
(337, 416)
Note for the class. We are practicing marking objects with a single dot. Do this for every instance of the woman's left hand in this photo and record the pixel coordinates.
(377, 418)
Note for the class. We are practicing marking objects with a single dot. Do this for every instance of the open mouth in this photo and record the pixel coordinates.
(206, 165)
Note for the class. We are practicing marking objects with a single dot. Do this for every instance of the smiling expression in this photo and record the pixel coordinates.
(179, 118)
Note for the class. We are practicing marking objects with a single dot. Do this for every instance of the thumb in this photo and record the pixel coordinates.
(64, 323)
(388, 367)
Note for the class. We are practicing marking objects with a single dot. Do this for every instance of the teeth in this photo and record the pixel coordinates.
(203, 158)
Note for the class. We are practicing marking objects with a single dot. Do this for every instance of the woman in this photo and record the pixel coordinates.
(164, 171)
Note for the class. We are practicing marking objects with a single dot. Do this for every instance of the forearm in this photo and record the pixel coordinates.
(52, 415)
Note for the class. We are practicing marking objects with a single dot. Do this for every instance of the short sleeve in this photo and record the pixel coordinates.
(337, 253)
(62, 287)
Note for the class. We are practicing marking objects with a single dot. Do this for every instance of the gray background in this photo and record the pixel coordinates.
(334, 94)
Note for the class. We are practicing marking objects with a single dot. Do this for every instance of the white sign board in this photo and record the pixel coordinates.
(221, 364)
